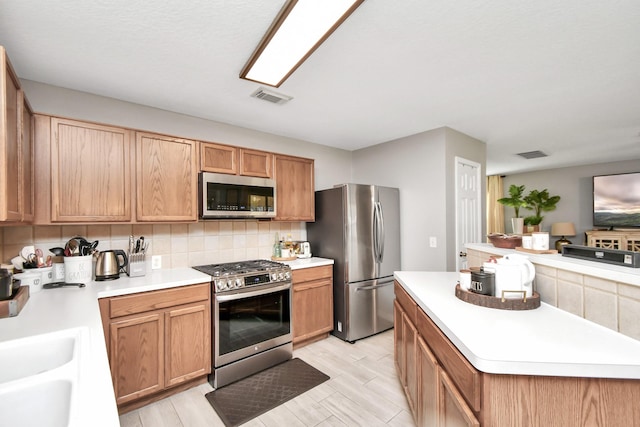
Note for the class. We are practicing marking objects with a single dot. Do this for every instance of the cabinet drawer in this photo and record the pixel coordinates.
(147, 301)
(406, 302)
(312, 273)
(463, 374)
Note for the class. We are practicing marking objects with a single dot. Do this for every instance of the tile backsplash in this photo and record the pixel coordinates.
(180, 245)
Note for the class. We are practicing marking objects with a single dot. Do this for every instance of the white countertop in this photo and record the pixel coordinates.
(545, 341)
(308, 262)
(56, 309)
(603, 270)
(53, 310)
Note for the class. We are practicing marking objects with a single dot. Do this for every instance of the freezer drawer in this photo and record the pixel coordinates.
(369, 308)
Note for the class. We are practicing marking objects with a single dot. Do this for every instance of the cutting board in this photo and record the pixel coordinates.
(12, 307)
(537, 251)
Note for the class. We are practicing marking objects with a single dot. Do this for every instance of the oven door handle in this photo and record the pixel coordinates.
(240, 295)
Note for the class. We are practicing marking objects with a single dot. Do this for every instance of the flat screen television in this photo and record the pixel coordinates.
(616, 200)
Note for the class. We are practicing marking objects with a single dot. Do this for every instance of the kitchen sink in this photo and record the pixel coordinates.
(37, 403)
(33, 355)
(40, 379)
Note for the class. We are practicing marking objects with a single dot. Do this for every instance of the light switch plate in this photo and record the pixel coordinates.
(156, 262)
(433, 242)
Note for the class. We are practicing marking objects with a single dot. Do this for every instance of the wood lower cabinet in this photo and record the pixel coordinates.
(16, 147)
(295, 188)
(167, 178)
(157, 341)
(452, 393)
(312, 304)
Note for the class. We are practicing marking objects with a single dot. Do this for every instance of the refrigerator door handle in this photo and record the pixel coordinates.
(373, 287)
(378, 231)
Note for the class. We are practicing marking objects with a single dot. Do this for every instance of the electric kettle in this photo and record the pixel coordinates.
(108, 265)
(514, 276)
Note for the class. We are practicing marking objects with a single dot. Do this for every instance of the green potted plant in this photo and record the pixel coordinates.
(516, 201)
(538, 202)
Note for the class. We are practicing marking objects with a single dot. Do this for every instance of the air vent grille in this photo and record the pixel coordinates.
(532, 154)
(271, 96)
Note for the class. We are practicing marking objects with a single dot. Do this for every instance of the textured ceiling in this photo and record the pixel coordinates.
(558, 76)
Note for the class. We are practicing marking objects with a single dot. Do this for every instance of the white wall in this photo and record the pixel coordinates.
(574, 186)
(422, 167)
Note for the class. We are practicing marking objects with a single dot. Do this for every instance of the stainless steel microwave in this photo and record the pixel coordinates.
(233, 196)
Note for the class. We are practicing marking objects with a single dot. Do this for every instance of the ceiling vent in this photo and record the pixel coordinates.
(532, 154)
(271, 96)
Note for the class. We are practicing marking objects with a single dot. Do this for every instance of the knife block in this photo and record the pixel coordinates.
(137, 265)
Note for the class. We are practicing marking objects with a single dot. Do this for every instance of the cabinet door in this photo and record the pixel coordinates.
(312, 309)
(9, 145)
(454, 411)
(410, 334)
(90, 172)
(398, 342)
(137, 356)
(428, 386)
(256, 163)
(218, 158)
(294, 189)
(167, 178)
(187, 343)
(27, 159)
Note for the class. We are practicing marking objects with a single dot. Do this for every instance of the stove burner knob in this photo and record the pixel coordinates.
(274, 277)
(220, 284)
(229, 284)
(239, 283)
(287, 275)
(281, 276)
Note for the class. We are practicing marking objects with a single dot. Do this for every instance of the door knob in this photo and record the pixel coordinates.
(463, 254)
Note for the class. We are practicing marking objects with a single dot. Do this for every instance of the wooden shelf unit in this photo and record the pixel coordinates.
(626, 240)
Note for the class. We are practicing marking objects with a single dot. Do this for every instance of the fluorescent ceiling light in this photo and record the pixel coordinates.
(298, 30)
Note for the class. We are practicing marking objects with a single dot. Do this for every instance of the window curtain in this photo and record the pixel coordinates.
(495, 211)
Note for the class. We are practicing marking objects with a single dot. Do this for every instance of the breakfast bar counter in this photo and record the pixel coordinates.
(544, 341)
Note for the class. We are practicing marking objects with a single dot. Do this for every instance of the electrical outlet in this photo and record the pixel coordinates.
(156, 262)
(433, 242)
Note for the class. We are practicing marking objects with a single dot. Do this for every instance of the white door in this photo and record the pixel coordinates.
(468, 207)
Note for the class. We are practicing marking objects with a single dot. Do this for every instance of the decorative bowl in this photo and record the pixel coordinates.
(505, 241)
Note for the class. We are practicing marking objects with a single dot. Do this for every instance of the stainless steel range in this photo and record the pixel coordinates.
(251, 318)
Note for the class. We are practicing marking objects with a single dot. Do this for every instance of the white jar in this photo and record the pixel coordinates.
(30, 278)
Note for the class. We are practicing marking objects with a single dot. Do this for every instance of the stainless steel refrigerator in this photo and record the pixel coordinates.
(358, 226)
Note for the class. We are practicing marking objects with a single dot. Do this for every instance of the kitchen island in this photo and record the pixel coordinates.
(603, 293)
(497, 367)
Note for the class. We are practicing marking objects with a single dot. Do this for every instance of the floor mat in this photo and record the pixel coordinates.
(244, 400)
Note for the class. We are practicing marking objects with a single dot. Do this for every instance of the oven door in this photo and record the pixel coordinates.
(250, 321)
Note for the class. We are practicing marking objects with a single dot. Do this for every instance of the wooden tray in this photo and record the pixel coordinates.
(536, 251)
(529, 303)
(291, 258)
(12, 307)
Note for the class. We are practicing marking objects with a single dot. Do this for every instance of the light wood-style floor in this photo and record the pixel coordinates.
(363, 391)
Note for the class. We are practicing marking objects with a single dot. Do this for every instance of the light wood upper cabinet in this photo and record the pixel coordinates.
(256, 163)
(27, 192)
(294, 188)
(218, 158)
(90, 172)
(167, 178)
(13, 163)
